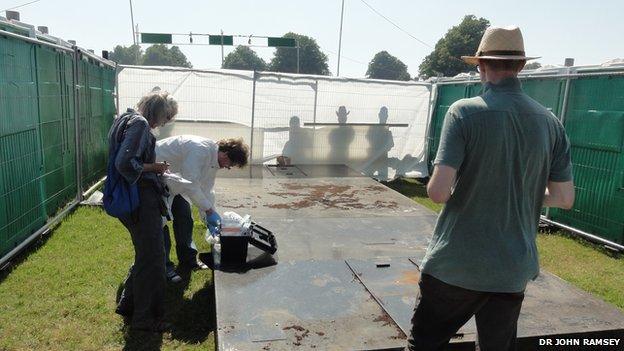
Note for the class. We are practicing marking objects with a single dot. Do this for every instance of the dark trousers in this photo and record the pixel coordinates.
(444, 308)
(183, 234)
(144, 288)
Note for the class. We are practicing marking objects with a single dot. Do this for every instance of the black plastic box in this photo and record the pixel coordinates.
(234, 250)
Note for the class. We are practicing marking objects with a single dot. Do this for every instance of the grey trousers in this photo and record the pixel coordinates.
(144, 288)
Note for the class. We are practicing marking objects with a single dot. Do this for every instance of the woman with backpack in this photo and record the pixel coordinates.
(139, 191)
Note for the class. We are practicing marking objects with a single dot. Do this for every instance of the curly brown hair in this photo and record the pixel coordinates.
(236, 150)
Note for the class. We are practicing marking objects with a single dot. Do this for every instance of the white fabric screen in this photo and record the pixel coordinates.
(376, 127)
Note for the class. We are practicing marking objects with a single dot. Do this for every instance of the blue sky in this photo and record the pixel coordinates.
(589, 31)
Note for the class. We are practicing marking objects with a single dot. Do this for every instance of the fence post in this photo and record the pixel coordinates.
(117, 86)
(76, 93)
(433, 98)
(253, 112)
(564, 111)
(314, 121)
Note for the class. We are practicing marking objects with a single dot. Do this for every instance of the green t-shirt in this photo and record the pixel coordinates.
(505, 147)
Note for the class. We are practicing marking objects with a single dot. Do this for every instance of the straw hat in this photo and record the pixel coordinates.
(499, 44)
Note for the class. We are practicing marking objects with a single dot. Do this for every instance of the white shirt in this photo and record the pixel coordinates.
(195, 159)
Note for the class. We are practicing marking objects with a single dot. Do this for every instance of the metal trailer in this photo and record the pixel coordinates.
(346, 272)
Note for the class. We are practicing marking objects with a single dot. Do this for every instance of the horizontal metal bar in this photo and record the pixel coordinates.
(41, 231)
(537, 76)
(36, 41)
(205, 121)
(215, 35)
(357, 124)
(95, 57)
(93, 188)
(184, 69)
(342, 79)
(583, 234)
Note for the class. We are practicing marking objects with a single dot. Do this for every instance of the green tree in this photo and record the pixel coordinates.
(533, 65)
(462, 39)
(385, 66)
(160, 55)
(244, 58)
(311, 59)
(130, 55)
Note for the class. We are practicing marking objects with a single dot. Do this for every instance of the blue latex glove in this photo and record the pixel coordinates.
(213, 222)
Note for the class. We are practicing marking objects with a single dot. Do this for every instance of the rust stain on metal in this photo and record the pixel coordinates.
(298, 337)
(385, 318)
(409, 277)
(295, 327)
(342, 197)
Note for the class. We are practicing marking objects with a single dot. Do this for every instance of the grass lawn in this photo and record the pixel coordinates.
(60, 295)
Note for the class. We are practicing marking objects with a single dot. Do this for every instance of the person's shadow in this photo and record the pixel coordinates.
(340, 138)
(380, 142)
(192, 318)
(298, 146)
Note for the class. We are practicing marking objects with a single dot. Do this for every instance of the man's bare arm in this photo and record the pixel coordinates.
(559, 194)
(441, 183)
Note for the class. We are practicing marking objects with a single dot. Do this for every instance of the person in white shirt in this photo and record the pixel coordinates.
(197, 160)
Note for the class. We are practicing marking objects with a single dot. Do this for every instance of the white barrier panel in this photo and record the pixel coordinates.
(376, 127)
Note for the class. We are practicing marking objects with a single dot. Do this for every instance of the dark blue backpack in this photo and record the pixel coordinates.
(120, 198)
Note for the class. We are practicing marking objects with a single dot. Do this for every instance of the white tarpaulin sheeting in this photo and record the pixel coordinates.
(376, 127)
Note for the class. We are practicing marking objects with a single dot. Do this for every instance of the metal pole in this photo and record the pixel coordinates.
(76, 93)
(222, 58)
(117, 87)
(340, 39)
(583, 234)
(132, 19)
(297, 57)
(314, 120)
(253, 112)
(433, 96)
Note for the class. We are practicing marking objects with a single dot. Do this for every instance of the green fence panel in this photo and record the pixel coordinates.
(21, 197)
(446, 96)
(97, 111)
(38, 132)
(56, 125)
(547, 91)
(595, 125)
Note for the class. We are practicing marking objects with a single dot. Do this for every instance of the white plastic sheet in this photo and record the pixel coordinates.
(376, 127)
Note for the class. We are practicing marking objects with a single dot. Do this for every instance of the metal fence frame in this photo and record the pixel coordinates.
(77, 55)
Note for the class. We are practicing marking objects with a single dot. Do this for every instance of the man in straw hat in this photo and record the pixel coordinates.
(502, 156)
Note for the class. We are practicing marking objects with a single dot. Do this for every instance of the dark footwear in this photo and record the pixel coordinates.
(173, 277)
(196, 266)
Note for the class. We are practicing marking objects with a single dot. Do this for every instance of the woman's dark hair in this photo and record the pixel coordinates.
(236, 151)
